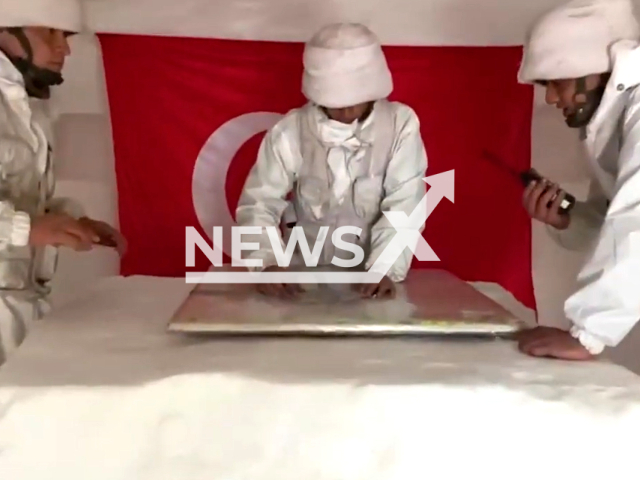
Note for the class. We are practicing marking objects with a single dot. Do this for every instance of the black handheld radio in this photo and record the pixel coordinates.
(528, 176)
(568, 202)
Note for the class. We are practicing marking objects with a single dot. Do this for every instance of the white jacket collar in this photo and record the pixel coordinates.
(13, 88)
(11, 80)
(625, 56)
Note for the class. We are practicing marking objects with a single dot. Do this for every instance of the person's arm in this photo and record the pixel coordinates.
(404, 188)
(586, 221)
(15, 225)
(607, 304)
(263, 198)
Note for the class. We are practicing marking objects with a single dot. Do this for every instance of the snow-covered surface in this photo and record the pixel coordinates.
(100, 390)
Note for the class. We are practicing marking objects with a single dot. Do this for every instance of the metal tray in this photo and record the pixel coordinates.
(429, 302)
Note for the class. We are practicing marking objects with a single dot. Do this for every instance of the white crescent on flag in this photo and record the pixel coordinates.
(211, 168)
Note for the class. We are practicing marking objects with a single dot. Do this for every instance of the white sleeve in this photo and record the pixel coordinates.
(404, 188)
(586, 221)
(263, 198)
(607, 304)
(15, 225)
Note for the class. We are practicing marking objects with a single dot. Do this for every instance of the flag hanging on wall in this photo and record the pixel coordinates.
(188, 115)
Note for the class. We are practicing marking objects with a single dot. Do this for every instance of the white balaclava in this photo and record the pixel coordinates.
(573, 40)
(344, 65)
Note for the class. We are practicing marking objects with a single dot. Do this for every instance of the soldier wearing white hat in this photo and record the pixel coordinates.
(345, 157)
(586, 53)
(33, 47)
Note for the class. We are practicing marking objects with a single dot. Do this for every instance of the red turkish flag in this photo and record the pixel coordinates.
(185, 105)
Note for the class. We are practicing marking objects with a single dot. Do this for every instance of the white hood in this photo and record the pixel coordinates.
(344, 65)
(574, 39)
(61, 14)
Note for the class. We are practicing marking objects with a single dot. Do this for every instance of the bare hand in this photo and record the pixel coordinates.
(551, 342)
(61, 230)
(107, 235)
(542, 201)
(280, 290)
(385, 289)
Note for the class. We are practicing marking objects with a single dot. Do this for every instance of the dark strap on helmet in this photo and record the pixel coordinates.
(38, 81)
(585, 110)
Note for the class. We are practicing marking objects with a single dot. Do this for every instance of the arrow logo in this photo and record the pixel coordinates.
(408, 233)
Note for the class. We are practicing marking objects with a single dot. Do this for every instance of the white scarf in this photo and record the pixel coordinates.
(342, 142)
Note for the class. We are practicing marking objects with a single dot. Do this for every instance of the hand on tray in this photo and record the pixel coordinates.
(385, 289)
(107, 235)
(551, 342)
(280, 290)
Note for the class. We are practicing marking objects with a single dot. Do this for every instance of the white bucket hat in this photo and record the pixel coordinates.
(60, 14)
(573, 40)
(344, 65)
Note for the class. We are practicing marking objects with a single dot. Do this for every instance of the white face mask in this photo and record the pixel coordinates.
(334, 132)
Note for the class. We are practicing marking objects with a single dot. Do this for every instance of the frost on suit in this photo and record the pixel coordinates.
(577, 39)
(26, 178)
(390, 182)
(339, 174)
